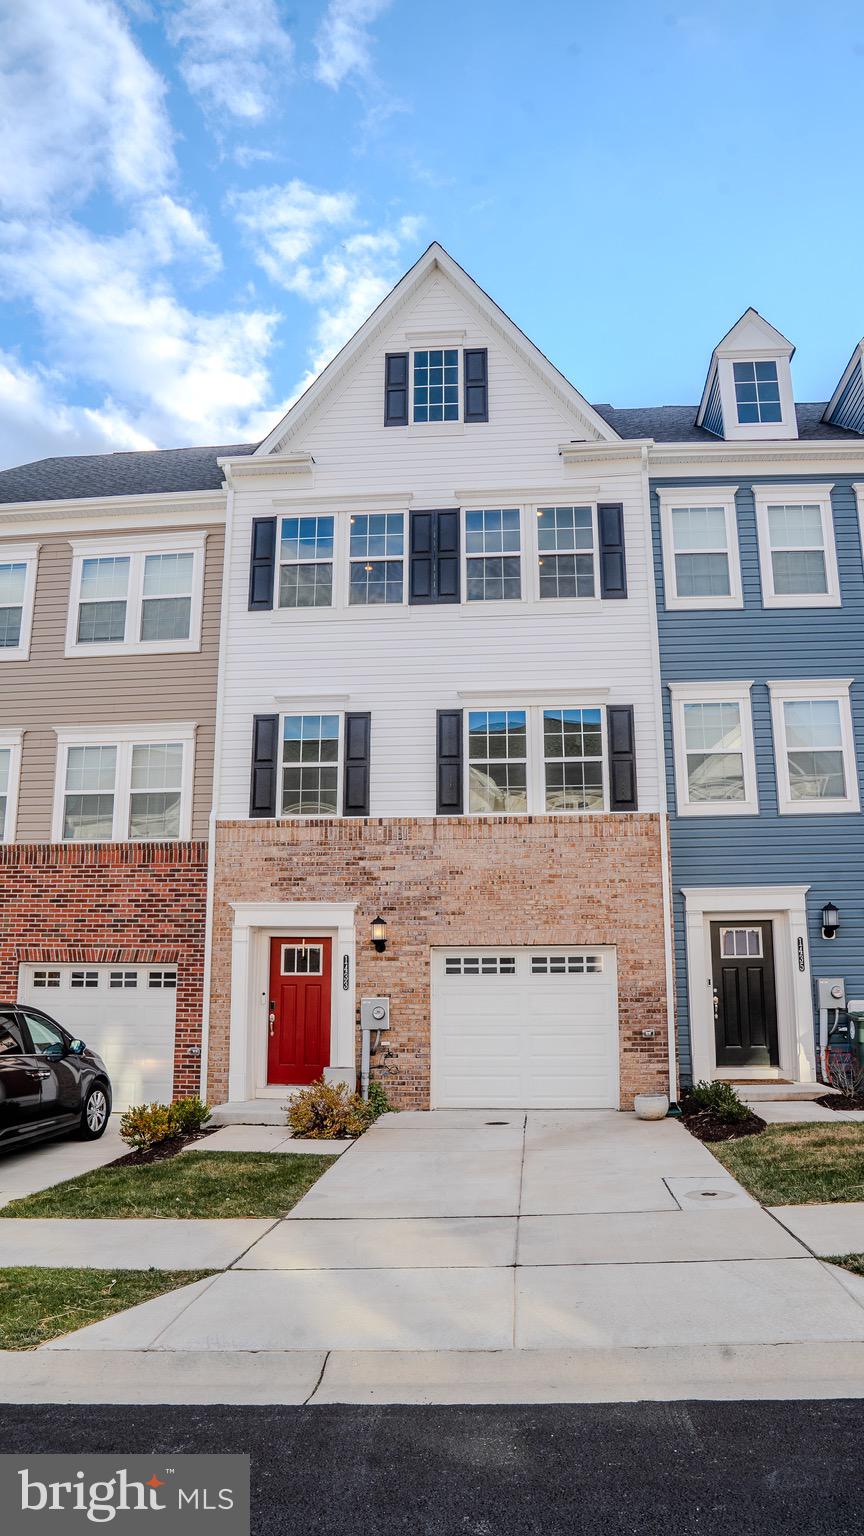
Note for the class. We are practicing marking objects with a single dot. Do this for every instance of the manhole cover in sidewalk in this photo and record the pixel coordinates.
(710, 1194)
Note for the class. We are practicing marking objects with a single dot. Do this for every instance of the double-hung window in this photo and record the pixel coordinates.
(536, 760)
(17, 587)
(493, 554)
(757, 392)
(306, 562)
(701, 566)
(567, 552)
(124, 783)
(573, 759)
(376, 558)
(310, 774)
(796, 547)
(814, 746)
(136, 594)
(10, 767)
(497, 760)
(715, 764)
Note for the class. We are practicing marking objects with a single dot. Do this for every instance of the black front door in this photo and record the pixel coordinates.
(745, 1005)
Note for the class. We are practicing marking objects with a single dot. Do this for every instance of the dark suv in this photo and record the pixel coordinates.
(49, 1082)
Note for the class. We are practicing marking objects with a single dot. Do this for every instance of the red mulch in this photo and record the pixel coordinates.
(162, 1150)
(841, 1101)
(708, 1127)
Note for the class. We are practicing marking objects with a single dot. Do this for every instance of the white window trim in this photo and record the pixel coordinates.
(535, 771)
(532, 549)
(493, 603)
(15, 554)
(796, 495)
(12, 739)
(310, 707)
(342, 558)
(756, 430)
(737, 692)
(700, 496)
(137, 546)
(124, 737)
(783, 692)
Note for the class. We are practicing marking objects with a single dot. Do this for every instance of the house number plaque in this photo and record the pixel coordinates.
(800, 954)
(346, 973)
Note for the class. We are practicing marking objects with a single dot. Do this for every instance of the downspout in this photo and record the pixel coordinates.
(659, 737)
(215, 792)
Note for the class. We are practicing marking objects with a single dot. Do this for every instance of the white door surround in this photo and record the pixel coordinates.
(255, 924)
(785, 907)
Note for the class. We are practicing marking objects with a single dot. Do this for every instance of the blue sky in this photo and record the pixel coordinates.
(200, 200)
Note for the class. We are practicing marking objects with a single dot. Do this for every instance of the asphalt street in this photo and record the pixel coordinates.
(695, 1468)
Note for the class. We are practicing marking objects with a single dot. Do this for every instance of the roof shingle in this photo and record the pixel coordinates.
(156, 471)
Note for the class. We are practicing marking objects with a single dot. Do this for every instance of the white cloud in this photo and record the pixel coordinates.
(286, 222)
(234, 54)
(343, 40)
(35, 421)
(79, 105)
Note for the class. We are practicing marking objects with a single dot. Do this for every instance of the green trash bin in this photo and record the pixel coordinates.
(856, 1018)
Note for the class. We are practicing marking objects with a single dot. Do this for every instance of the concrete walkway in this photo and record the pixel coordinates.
(470, 1232)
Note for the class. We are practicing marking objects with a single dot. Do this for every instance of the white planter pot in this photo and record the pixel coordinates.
(651, 1106)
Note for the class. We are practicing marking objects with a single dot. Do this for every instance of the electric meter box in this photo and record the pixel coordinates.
(374, 1013)
(831, 992)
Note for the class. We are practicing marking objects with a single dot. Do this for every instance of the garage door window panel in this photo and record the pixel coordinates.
(497, 761)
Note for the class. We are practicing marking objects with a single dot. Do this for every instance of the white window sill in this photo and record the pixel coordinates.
(141, 648)
(721, 808)
(802, 600)
(693, 604)
(15, 653)
(819, 808)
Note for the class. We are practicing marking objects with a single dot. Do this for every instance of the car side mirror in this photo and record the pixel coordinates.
(77, 1048)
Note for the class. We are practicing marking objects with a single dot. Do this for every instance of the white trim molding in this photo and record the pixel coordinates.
(796, 495)
(11, 741)
(737, 693)
(254, 924)
(818, 690)
(673, 498)
(785, 906)
(28, 556)
(124, 738)
(137, 547)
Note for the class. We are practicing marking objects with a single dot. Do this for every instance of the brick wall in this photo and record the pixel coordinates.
(513, 880)
(110, 903)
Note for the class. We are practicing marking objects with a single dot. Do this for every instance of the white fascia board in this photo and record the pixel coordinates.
(84, 513)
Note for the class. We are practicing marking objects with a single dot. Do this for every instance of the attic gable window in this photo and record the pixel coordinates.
(436, 384)
(757, 392)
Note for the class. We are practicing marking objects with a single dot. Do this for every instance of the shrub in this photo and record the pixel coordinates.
(846, 1074)
(719, 1098)
(328, 1110)
(189, 1115)
(145, 1125)
(379, 1104)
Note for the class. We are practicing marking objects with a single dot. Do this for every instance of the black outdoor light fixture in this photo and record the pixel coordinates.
(379, 934)
(830, 921)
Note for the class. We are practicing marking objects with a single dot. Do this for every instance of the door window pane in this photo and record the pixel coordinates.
(88, 808)
(166, 607)
(701, 554)
(102, 602)
(497, 760)
(376, 553)
(310, 765)
(13, 579)
(741, 943)
(797, 549)
(714, 750)
(814, 749)
(306, 562)
(565, 539)
(492, 547)
(573, 759)
(157, 782)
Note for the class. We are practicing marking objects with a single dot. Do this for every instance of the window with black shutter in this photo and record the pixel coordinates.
(357, 739)
(434, 556)
(448, 796)
(396, 389)
(613, 568)
(476, 384)
(265, 759)
(621, 744)
(262, 563)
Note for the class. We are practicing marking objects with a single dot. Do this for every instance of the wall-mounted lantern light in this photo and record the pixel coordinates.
(379, 934)
(830, 921)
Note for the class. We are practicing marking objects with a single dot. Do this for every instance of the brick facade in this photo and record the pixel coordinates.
(111, 903)
(520, 880)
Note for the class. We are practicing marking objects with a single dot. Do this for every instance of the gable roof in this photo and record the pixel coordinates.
(751, 335)
(165, 471)
(433, 257)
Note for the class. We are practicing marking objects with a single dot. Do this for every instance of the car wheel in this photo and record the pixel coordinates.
(94, 1115)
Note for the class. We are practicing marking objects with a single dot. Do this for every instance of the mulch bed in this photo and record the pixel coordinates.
(162, 1150)
(707, 1126)
(841, 1101)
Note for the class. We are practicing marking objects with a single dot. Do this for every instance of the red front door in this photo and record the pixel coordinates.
(298, 1044)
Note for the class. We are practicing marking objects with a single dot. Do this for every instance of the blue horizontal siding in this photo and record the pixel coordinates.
(713, 418)
(825, 852)
(849, 410)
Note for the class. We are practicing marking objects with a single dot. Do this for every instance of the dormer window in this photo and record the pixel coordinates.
(757, 392)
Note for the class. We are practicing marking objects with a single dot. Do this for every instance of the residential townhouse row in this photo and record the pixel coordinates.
(541, 721)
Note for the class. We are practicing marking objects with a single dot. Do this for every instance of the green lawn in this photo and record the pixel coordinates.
(798, 1164)
(191, 1184)
(40, 1304)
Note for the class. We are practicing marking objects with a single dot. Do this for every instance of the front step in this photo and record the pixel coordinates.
(781, 1093)
(250, 1112)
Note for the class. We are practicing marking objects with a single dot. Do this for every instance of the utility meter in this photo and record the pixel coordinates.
(374, 1013)
(831, 992)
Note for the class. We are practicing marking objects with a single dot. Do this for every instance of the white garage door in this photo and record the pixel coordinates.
(126, 1013)
(525, 1028)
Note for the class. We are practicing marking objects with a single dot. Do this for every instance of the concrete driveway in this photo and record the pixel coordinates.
(46, 1163)
(483, 1231)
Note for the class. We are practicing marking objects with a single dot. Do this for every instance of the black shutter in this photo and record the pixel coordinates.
(434, 557)
(265, 757)
(357, 732)
(476, 384)
(613, 568)
(621, 741)
(448, 799)
(396, 389)
(262, 563)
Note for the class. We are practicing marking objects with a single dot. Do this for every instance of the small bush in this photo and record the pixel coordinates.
(379, 1104)
(720, 1098)
(145, 1125)
(846, 1074)
(328, 1110)
(189, 1115)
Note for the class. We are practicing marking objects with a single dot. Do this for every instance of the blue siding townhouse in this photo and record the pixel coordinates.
(757, 513)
